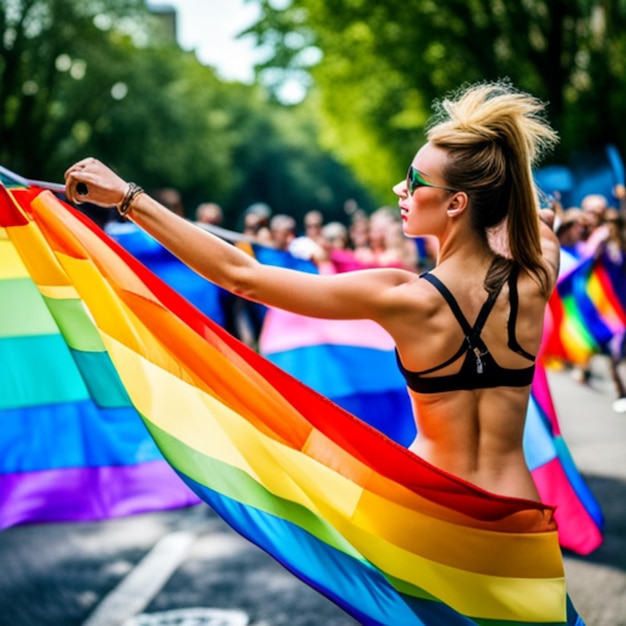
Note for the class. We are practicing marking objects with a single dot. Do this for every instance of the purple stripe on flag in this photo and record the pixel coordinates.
(90, 493)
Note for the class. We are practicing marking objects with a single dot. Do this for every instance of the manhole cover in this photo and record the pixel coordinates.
(191, 617)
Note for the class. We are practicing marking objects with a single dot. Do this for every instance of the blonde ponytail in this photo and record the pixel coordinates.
(494, 135)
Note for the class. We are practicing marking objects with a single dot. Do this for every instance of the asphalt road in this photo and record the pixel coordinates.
(140, 570)
(596, 437)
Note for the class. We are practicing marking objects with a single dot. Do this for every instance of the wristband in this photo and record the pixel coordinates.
(124, 207)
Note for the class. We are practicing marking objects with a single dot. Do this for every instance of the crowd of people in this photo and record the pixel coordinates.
(365, 240)
(362, 241)
(597, 229)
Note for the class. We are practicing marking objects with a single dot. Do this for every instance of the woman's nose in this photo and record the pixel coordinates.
(400, 189)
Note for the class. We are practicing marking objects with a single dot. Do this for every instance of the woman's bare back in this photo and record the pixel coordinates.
(475, 433)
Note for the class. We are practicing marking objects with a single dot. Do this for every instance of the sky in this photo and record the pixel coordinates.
(210, 27)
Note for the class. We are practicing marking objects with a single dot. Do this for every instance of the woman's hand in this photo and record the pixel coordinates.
(91, 181)
(547, 216)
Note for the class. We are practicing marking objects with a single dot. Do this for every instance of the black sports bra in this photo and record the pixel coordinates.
(479, 369)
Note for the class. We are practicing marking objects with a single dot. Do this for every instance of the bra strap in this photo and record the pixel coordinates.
(514, 303)
(452, 303)
(475, 345)
(471, 332)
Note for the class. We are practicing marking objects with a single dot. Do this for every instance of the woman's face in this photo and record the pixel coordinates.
(423, 210)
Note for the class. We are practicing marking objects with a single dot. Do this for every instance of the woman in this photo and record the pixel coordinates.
(467, 333)
(466, 336)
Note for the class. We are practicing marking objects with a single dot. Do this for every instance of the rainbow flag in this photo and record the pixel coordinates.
(587, 311)
(208, 297)
(578, 514)
(388, 537)
(72, 445)
(353, 364)
(350, 362)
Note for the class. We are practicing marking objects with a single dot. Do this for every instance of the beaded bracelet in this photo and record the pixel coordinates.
(124, 207)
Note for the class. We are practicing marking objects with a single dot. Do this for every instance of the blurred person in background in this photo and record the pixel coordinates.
(379, 222)
(313, 223)
(593, 208)
(335, 236)
(359, 232)
(571, 234)
(209, 213)
(171, 199)
(283, 231)
(613, 254)
(256, 220)
(335, 255)
(400, 251)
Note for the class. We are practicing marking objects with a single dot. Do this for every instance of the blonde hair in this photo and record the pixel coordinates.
(493, 135)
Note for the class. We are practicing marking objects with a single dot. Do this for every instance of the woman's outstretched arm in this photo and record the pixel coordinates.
(355, 295)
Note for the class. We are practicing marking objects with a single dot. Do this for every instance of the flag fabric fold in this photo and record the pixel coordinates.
(209, 298)
(353, 364)
(579, 516)
(588, 310)
(388, 537)
(72, 445)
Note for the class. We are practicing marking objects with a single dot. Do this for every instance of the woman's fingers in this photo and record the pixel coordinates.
(90, 180)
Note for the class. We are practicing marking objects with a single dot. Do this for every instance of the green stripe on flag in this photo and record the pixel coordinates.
(22, 311)
(75, 324)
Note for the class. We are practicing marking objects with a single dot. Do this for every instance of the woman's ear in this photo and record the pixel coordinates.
(458, 203)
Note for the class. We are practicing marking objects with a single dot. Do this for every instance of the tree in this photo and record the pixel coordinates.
(45, 45)
(382, 64)
(280, 162)
(92, 78)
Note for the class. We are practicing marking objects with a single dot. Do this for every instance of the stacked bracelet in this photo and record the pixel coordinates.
(124, 207)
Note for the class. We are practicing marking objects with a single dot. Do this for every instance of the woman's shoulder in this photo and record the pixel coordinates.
(529, 285)
(418, 297)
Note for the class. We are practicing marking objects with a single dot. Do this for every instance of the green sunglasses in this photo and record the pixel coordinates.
(414, 180)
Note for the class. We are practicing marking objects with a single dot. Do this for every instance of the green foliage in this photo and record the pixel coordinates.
(101, 78)
(384, 63)
(46, 45)
(302, 176)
